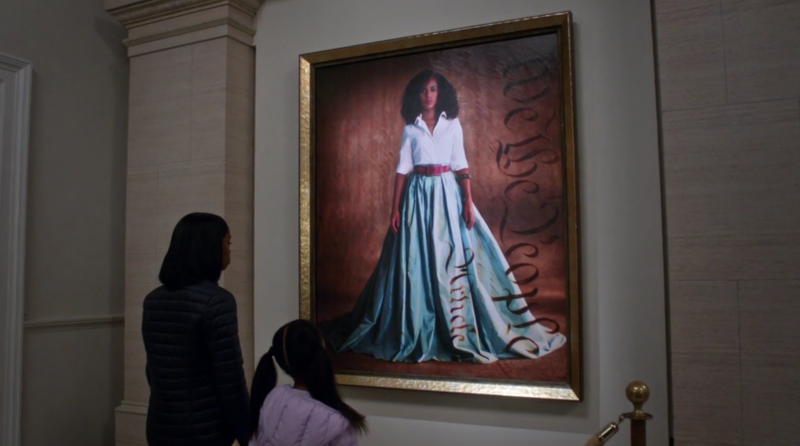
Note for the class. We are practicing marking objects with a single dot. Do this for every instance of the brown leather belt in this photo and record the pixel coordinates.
(431, 170)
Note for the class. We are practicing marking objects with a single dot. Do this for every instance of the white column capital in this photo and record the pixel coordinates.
(155, 25)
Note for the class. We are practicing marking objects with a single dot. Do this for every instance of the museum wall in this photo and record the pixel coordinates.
(72, 354)
(730, 126)
(624, 323)
(730, 119)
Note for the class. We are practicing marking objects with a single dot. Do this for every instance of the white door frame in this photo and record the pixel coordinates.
(15, 188)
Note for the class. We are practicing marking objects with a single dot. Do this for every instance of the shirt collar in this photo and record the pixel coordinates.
(419, 121)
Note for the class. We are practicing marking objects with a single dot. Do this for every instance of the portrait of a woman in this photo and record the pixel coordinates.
(442, 289)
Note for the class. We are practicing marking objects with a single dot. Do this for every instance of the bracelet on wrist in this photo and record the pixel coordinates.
(464, 176)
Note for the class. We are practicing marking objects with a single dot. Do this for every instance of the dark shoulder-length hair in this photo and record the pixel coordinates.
(195, 251)
(447, 101)
(298, 348)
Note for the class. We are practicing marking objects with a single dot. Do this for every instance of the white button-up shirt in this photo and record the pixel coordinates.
(445, 146)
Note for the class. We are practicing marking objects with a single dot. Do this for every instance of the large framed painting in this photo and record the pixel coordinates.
(439, 210)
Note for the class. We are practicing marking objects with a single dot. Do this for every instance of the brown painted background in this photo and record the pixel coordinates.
(509, 93)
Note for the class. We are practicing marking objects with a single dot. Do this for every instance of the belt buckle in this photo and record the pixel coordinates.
(433, 170)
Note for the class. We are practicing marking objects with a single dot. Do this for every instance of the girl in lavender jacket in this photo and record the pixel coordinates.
(309, 413)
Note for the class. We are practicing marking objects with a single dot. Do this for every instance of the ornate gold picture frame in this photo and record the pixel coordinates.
(439, 235)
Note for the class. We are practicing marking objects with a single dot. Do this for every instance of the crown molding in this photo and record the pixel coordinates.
(140, 13)
(157, 25)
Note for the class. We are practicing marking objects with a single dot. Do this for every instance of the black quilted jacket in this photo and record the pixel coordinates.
(198, 394)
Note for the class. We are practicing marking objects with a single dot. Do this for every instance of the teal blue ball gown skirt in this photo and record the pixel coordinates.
(441, 291)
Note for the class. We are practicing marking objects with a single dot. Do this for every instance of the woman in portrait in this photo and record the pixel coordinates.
(440, 290)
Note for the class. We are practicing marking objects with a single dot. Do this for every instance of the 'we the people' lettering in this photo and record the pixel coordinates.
(519, 161)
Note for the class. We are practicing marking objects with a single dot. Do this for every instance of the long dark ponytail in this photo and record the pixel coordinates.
(298, 348)
(264, 380)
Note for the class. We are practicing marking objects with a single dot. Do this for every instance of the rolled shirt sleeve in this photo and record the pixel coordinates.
(458, 159)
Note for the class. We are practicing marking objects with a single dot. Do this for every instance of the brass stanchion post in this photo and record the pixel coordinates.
(638, 393)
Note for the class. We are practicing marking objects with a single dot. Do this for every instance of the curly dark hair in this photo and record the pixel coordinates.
(447, 101)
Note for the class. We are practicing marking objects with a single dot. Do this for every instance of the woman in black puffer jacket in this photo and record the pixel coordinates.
(198, 394)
